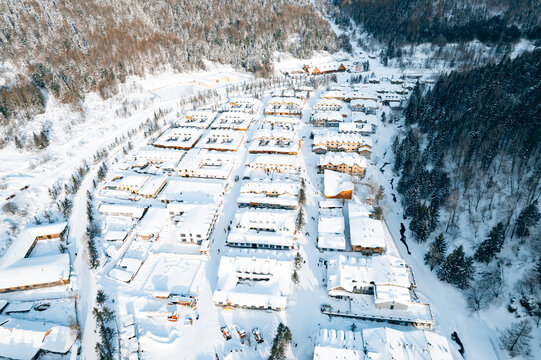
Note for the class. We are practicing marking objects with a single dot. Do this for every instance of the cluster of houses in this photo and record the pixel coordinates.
(364, 277)
(177, 182)
(255, 270)
(364, 233)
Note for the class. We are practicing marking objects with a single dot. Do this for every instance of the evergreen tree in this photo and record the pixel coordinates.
(492, 245)
(280, 343)
(516, 338)
(457, 269)
(44, 140)
(102, 172)
(377, 213)
(424, 221)
(101, 297)
(298, 260)
(299, 223)
(302, 197)
(295, 277)
(529, 217)
(436, 253)
(18, 143)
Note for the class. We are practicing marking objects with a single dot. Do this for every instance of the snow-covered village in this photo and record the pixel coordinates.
(313, 211)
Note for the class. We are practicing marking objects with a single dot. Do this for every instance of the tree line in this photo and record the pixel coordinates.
(399, 22)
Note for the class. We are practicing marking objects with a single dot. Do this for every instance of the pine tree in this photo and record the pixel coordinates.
(44, 140)
(295, 277)
(18, 143)
(280, 342)
(492, 245)
(299, 223)
(298, 260)
(424, 221)
(529, 217)
(457, 269)
(102, 172)
(436, 253)
(377, 213)
(516, 338)
(101, 297)
(302, 197)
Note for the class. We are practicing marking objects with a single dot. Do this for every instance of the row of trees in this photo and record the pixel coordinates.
(281, 341)
(105, 347)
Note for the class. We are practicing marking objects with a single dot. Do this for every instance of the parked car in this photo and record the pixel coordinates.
(241, 332)
(257, 335)
(225, 332)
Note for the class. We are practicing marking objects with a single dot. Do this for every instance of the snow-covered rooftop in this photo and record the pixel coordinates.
(258, 282)
(275, 162)
(328, 116)
(323, 137)
(263, 227)
(194, 221)
(337, 184)
(23, 244)
(206, 164)
(153, 221)
(36, 271)
(348, 273)
(22, 339)
(205, 191)
(154, 154)
(233, 120)
(227, 140)
(270, 186)
(151, 187)
(388, 343)
(348, 159)
(178, 138)
(334, 344)
(132, 211)
(197, 118)
(365, 231)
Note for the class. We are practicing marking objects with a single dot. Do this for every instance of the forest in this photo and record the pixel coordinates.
(71, 47)
(469, 165)
(416, 21)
